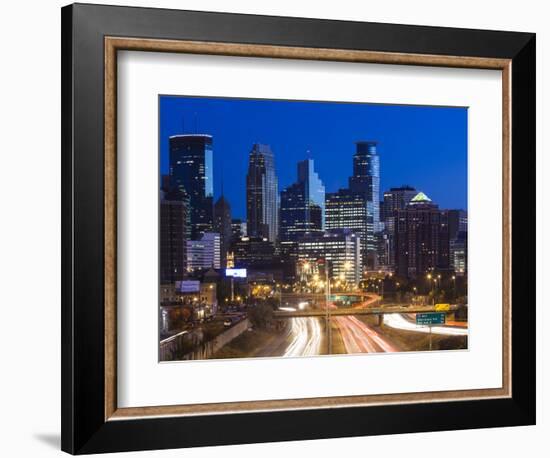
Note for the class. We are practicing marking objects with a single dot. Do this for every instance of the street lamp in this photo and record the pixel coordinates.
(327, 309)
(453, 278)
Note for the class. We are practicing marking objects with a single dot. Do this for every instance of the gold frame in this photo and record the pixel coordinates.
(112, 45)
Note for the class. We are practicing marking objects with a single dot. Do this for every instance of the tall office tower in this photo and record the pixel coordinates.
(302, 204)
(222, 225)
(174, 225)
(346, 210)
(315, 189)
(366, 179)
(191, 170)
(341, 248)
(262, 211)
(396, 199)
(204, 253)
(421, 238)
(358, 207)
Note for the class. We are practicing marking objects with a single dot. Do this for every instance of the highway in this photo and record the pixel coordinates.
(359, 337)
(398, 321)
(360, 309)
(302, 337)
(305, 337)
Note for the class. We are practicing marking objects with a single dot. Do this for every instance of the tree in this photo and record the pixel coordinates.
(261, 315)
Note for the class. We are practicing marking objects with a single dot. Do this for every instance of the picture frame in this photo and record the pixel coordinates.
(92, 35)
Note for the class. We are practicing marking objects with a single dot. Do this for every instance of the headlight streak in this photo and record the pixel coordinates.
(397, 321)
(306, 338)
(359, 337)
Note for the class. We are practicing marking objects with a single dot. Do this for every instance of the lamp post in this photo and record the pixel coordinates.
(327, 309)
(429, 277)
(437, 281)
(453, 278)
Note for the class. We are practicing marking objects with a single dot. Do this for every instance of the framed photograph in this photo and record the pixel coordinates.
(282, 228)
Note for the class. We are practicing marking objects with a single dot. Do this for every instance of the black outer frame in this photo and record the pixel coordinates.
(84, 429)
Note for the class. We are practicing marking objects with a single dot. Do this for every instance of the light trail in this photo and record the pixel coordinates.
(306, 337)
(397, 321)
(359, 337)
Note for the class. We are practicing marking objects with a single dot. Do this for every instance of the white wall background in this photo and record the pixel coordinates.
(30, 225)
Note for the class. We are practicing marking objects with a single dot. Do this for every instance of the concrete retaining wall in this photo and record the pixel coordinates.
(171, 347)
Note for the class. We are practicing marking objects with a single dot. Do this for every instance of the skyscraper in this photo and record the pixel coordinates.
(358, 207)
(315, 190)
(222, 225)
(191, 170)
(347, 210)
(421, 238)
(366, 179)
(262, 194)
(302, 204)
(396, 199)
(174, 226)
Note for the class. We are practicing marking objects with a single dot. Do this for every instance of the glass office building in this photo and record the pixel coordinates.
(302, 204)
(262, 212)
(191, 170)
(358, 207)
(366, 178)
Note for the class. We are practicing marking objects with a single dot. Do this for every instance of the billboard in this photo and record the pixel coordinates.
(188, 286)
(236, 273)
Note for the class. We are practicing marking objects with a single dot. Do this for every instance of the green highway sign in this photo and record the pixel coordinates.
(428, 319)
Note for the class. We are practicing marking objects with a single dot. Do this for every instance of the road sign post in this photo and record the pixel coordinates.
(429, 319)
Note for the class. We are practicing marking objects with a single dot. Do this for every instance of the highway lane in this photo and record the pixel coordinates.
(398, 321)
(302, 337)
(359, 337)
(305, 337)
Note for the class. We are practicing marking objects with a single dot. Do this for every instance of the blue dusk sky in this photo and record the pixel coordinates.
(422, 146)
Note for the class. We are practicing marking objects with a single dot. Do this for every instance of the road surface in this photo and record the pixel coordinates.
(302, 337)
(305, 337)
(398, 321)
(359, 337)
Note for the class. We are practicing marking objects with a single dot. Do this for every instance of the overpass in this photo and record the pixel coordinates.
(380, 311)
(313, 297)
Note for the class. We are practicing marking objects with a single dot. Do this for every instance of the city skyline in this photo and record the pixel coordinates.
(432, 169)
(270, 247)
